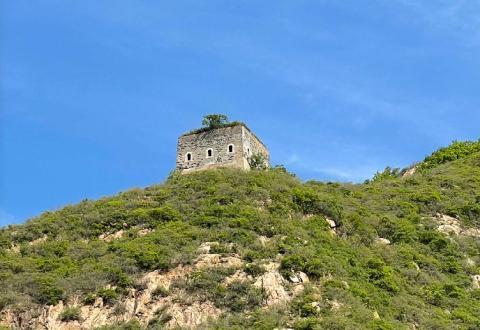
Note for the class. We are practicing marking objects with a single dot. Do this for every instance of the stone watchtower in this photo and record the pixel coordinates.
(225, 145)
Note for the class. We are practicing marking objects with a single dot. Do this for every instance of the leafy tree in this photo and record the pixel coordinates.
(215, 120)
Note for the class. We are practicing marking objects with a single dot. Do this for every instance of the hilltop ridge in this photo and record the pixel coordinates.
(231, 249)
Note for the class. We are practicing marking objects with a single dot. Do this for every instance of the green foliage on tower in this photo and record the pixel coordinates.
(215, 121)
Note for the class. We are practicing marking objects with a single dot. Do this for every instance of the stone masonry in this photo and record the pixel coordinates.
(220, 147)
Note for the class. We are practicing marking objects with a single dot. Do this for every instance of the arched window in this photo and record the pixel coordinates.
(209, 152)
(230, 148)
(188, 156)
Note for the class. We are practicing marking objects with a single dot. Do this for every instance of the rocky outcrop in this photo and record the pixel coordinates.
(277, 289)
(452, 226)
(176, 308)
(108, 237)
(381, 241)
(38, 240)
(409, 172)
(476, 281)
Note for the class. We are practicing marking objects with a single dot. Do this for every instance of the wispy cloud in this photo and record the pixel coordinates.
(458, 17)
(334, 171)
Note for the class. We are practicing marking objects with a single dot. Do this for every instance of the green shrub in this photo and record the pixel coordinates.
(6, 299)
(161, 317)
(381, 275)
(291, 263)
(254, 269)
(160, 292)
(89, 299)
(109, 296)
(457, 150)
(309, 323)
(70, 314)
(119, 309)
(48, 291)
(240, 296)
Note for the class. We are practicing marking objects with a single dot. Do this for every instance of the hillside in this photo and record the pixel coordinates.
(227, 249)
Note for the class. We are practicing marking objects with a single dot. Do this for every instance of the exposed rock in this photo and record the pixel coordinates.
(316, 305)
(274, 286)
(449, 229)
(145, 231)
(382, 241)
(411, 171)
(263, 204)
(447, 224)
(38, 240)
(206, 246)
(446, 219)
(238, 276)
(179, 308)
(476, 281)
(108, 237)
(14, 248)
(472, 232)
(263, 240)
(154, 279)
(193, 315)
(294, 279)
(215, 260)
(331, 223)
(299, 277)
(452, 226)
(376, 316)
(335, 305)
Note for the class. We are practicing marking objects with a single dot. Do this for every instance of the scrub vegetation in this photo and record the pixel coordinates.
(421, 278)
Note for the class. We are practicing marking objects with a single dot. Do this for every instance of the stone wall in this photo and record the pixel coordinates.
(218, 140)
(252, 146)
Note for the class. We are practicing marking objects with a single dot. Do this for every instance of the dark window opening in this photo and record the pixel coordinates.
(189, 157)
(209, 153)
(230, 148)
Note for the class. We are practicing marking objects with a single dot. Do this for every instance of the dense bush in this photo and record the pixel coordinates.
(457, 150)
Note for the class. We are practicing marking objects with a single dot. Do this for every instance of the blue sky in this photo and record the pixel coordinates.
(95, 93)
